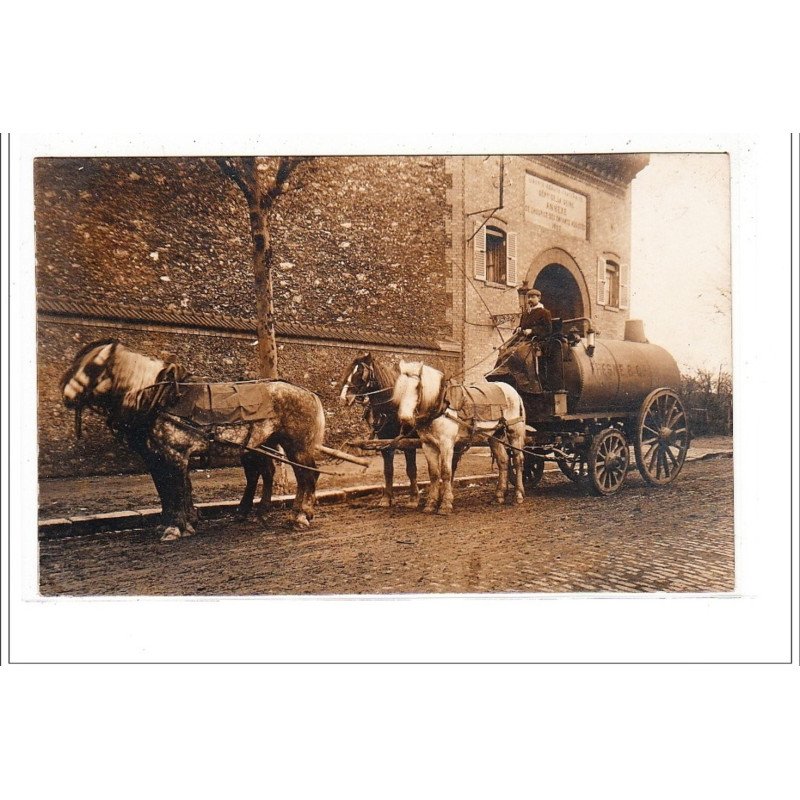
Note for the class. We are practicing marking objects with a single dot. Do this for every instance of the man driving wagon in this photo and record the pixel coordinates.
(520, 354)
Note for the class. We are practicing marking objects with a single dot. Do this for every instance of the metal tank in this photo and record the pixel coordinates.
(587, 401)
(617, 376)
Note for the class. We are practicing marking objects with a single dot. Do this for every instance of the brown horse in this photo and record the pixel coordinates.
(370, 383)
(146, 401)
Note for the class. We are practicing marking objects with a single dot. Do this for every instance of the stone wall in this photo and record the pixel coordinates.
(316, 366)
(358, 241)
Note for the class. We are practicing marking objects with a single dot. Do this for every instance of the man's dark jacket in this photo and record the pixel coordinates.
(538, 320)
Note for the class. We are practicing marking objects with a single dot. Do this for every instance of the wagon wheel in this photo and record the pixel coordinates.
(574, 466)
(532, 470)
(662, 437)
(608, 461)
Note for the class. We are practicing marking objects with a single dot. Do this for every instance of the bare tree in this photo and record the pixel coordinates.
(262, 181)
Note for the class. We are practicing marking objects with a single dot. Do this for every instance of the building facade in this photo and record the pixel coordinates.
(561, 224)
(408, 257)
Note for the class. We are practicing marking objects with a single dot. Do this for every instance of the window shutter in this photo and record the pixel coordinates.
(511, 259)
(624, 286)
(602, 297)
(479, 243)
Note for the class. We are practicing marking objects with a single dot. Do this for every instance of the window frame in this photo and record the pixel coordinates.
(495, 261)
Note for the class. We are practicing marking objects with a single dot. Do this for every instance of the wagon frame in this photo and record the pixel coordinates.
(593, 449)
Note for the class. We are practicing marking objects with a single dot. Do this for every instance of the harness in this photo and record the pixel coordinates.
(181, 404)
(375, 418)
(262, 450)
(468, 405)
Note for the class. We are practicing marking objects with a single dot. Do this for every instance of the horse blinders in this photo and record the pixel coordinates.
(89, 378)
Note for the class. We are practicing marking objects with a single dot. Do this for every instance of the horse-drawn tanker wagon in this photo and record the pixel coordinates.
(587, 400)
(568, 399)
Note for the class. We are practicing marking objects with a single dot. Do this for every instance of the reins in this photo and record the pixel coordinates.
(467, 369)
(377, 391)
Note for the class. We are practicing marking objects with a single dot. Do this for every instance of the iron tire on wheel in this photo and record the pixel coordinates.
(608, 461)
(662, 437)
(532, 470)
(573, 467)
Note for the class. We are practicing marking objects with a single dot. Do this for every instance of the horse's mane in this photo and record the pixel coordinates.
(430, 383)
(135, 377)
(385, 374)
(430, 386)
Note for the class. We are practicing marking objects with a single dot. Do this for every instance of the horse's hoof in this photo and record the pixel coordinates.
(412, 502)
(445, 510)
(385, 502)
(429, 509)
(171, 534)
(301, 522)
(500, 499)
(519, 498)
(189, 530)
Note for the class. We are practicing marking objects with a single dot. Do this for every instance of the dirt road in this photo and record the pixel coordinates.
(679, 538)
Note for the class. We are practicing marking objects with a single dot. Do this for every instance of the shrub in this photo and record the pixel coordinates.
(709, 401)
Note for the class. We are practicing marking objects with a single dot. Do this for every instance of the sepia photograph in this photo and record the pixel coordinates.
(384, 375)
(399, 402)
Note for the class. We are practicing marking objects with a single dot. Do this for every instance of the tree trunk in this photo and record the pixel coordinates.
(265, 303)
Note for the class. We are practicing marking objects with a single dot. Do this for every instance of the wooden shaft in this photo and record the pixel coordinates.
(401, 443)
(329, 451)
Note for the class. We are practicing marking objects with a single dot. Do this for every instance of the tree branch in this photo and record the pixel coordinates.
(286, 166)
(238, 176)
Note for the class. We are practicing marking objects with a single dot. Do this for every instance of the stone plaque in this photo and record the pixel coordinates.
(555, 207)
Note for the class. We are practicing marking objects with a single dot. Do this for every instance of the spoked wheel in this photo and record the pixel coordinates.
(608, 461)
(532, 470)
(662, 437)
(574, 466)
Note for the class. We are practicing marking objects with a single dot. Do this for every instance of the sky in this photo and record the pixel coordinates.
(680, 257)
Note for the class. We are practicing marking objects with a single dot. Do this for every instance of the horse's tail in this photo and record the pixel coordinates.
(319, 432)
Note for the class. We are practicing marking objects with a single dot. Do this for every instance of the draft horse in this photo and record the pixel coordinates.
(370, 382)
(447, 427)
(136, 393)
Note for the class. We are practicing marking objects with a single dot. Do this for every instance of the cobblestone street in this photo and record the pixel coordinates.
(676, 539)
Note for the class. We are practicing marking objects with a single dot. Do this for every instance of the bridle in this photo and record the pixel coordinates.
(86, 397)
(368, 382)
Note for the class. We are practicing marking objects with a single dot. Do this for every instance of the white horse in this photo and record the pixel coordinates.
(425, 401)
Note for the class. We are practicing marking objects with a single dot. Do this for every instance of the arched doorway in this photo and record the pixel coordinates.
(561, 294)
(556, 274)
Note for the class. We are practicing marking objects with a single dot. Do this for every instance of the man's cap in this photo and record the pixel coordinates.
(534, 291)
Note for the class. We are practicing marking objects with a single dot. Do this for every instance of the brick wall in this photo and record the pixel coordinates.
(608, 218)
